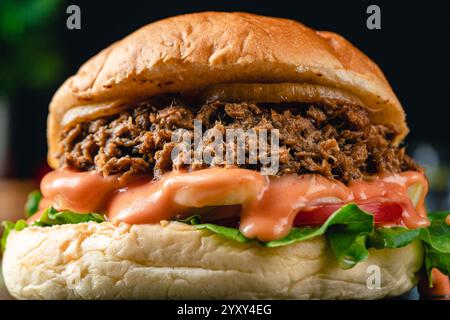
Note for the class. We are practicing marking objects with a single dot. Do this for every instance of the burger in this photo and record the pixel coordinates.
(154, 196)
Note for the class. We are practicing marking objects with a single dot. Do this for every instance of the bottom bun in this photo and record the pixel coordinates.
(176, 261)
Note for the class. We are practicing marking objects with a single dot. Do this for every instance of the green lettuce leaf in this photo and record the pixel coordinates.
(8, 227)
(437, 235)
(32, 204)
(348, 248)
(52, 217)
(346, 232)
(436, 259)
(437, 244)
(49, 217)
(394, 237)
(226, 232)
(350, 219)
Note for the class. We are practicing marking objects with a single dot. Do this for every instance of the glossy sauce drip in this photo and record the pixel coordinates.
(178, 194)
(268, 205)
(394, 188)
(271, 216)
(78, 191)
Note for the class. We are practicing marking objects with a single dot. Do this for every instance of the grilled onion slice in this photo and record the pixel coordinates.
(279, 92)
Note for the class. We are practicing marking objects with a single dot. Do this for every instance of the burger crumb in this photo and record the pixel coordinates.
(164, 223)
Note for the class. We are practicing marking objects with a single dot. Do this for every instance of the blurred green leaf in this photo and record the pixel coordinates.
(29, 55)
(18, 16)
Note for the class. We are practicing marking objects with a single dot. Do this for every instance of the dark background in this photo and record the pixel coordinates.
(40, 52)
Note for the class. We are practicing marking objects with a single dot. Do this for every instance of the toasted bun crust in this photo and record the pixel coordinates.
(190, 52)
(102, 261)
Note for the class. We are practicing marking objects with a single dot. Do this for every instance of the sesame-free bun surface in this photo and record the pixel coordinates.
(176, 261)
(191, 52)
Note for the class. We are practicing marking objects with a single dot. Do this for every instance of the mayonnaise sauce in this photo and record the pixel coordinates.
(268, 205)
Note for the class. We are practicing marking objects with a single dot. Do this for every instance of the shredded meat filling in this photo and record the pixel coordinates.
(335, 141)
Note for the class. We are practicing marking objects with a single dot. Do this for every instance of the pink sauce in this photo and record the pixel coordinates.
(268, 205)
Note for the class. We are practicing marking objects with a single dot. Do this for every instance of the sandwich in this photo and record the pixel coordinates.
(226, 156)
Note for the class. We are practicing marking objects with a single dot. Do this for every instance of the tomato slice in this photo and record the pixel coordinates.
(385, 213)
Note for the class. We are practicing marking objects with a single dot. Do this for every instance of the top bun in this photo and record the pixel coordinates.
(190, 52)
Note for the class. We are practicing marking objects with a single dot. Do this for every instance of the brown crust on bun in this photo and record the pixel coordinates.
(190, 52)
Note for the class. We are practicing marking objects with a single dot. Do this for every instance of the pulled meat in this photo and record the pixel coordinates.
(336, 141)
